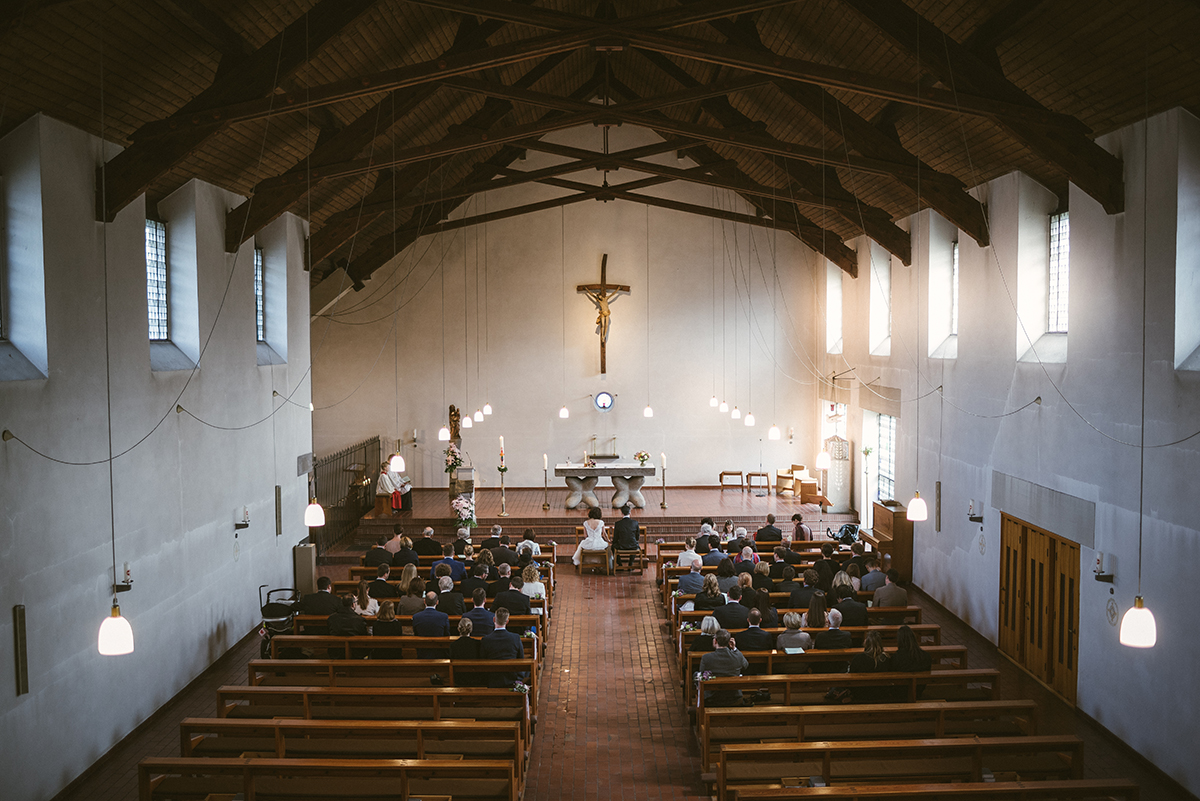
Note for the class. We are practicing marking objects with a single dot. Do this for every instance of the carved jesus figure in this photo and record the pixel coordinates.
(601, 300)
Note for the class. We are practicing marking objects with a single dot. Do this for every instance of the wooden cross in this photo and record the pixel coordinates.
(601, 294)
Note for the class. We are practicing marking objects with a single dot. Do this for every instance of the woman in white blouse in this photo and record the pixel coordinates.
(594, 538)
(533, 586)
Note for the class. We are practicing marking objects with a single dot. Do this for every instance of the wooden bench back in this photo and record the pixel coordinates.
(945, 657)
(1109, 789)
(348, 646)
(809, 688)
(864, 762)
(299, 779)
(723, 726)
(521, 622)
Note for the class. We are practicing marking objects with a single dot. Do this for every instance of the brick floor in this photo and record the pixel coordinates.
(612, 722)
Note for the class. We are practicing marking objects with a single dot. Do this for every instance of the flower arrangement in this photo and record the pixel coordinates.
(538, 597)
(642, 457)
(454, 458)
(528, 633)
(704, 675)
(520, 687)
(677, 594)
(659, 541)
(464, 507)
(688, 626)
(589, 462)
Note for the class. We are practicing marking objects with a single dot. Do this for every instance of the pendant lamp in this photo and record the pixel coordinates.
(737, 415)
(823, 461)
(487, 408)
(773, 432)
(444, 434)
(479, 415)
(647, 412)
(917, 511)
(749, 423)
(116, 635)
(396, 463)
(713, 402)
(314, 515)
(467, 423)
(563, 414)
(1138, 629)
(723, 408)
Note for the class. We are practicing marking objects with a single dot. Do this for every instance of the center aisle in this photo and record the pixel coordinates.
(612, 722)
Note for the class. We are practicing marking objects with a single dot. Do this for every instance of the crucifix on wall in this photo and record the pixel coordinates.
(602, 294)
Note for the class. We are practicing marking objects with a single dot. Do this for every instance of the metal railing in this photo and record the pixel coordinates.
(345, 486)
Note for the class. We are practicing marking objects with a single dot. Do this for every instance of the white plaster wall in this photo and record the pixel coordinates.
(1132, 692)
(356, 360)
(175, 493)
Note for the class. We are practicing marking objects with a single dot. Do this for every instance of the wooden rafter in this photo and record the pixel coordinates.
(953, 203)
(1089, 166)
(128, 174)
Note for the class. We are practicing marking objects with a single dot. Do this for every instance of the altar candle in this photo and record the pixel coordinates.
(545, 462)
(585, 455)
(664, 460)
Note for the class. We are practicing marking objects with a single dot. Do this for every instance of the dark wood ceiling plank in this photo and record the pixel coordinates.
(217, 115)
(130, 173)
(1093, 169)
(961, 102)
(859, 135)
(349, 143)
(663, 19)
(212, 28)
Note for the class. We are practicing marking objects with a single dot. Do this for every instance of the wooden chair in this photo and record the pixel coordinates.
(590, 560)
(636, 560)
(731, 474)
(766, 481)
(784, 484)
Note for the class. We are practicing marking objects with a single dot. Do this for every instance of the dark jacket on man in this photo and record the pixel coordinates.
(378, 555)
(427, 546)
(451, 603)
(854, 613)
(732, 616)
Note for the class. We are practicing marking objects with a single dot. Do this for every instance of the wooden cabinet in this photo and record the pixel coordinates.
(892, 534)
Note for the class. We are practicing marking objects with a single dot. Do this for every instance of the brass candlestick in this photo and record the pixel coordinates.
(545, 489)
(503, 499)
(663, 505)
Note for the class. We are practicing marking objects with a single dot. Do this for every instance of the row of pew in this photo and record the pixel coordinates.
(941, 734)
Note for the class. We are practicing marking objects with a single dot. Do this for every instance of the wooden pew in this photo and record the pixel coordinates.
(876, 615)
(1074, 789)
(357, 573)
(923, 719)
(865, 762)
(927, 634)
(520, 622)
(973, 684)
(168, 778)
(351, 587)
(353, 739)
(377, 703)
(389, 673)
(945, 657)
(368, 644)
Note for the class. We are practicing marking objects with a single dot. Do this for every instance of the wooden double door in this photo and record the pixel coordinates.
(1039, 603)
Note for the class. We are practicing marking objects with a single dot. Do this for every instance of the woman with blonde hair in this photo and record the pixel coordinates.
(793, 637)
(841, 579)
(855, 574)
(364, 604)
(761, 579)
(710, 596)
(406, 576)
(533, 586)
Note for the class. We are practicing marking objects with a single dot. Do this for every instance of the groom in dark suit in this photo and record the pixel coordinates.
(626, 535)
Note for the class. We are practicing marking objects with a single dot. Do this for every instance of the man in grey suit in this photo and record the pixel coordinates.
(891, 593)
(723, 660)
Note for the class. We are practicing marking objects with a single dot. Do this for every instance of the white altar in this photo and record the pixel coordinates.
(627, 479)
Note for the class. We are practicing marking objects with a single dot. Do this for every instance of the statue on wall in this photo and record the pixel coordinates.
(455, 424)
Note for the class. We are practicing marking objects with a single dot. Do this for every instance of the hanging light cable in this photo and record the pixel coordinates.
(773, 432)
(116, 635)
(648, 411)
(444, 431)
(712, 252)
(487, 342)
(467, 420)
(736, 414)
(1138, 629)
(724, 406)
(563, 413)
(917, 510)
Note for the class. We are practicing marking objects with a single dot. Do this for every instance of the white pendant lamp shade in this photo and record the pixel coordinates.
(487, 408)
(773, 432)
(467, 423)
(563, 414)
(647, 412)
(443, 434)
(1137, 627)
(310, 407)
(749, 419)
(724, 407)
(314, 515)
(917, 511)
(396, 463)
(736, 415)
(479, 415)
(713, 402)
(823, 460)
(116, 635)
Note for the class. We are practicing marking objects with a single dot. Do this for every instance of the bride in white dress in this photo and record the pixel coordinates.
(594, 538)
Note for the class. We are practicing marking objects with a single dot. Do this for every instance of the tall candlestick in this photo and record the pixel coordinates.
(664, 460)
(502, 443)
(545, 462)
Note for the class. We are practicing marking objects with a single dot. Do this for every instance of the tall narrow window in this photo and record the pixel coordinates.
(1060, 261)
(954, 292)
(885, 487)
(260, 319)
(157, 305)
